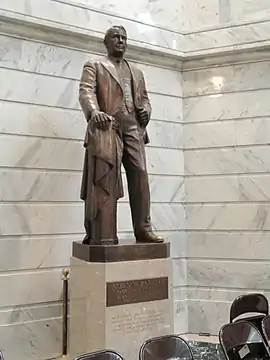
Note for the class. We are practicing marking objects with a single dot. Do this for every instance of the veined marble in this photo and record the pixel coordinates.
(64, 94)
(29, 339)
(228, 217)
(28, 287)
(67, 218)
(233, 188)
(36, 252)
(69, 15)
(144, 11)
(238, 275)
(230, 78)
(228, 38)
(55, 186)
(64, 62)
(199, 15)
(249, 104)
(227, 161)
(240, 132)
(218, 245)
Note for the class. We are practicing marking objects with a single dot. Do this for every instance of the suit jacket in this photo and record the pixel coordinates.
(100, 90)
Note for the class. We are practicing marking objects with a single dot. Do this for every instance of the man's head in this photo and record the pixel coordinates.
(115, 41)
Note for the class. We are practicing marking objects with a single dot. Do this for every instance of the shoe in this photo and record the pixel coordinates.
(149, 237)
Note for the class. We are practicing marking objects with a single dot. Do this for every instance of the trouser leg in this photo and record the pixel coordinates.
(134, 162)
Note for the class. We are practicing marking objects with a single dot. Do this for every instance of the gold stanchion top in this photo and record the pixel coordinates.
(65, 273)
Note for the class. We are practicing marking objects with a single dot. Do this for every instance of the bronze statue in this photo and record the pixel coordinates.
(116, 106)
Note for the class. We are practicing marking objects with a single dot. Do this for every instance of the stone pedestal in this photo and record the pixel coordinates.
(120, 295)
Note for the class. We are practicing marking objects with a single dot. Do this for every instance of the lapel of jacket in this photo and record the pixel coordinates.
(134, 80)
(109, 66)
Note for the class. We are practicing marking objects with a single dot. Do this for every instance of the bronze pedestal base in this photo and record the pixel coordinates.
(118, 253)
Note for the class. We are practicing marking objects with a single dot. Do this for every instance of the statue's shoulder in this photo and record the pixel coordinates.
(91, 63)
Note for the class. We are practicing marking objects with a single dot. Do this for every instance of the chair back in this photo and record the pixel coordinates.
(169, 347)
(1, 355)
(250, 303)
(100, 355)
(266, 327)
(242, 340)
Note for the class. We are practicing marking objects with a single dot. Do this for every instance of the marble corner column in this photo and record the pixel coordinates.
(120, 295)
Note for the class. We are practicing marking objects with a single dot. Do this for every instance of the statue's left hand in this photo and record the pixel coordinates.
(143, 116)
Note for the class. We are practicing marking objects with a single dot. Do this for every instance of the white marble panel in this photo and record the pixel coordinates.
(27, 119)
(30, 287)
(178, 243)
(199, 15)
(78, 17)
(64, 93)
(39, 252)
(218, 245)
(254, 188)
(58, 61)
(227, 106)
(164, 161)
(179, 272)
(19, 185)
(180, 316)
(46, 218)
(232, 188)
(249, 10)
(56, 154)
(153, 13)
(215, 294)
(35, 340)
(207, 316)
(36, 252)
(165, 217)
(41, 219)
(229, 37)
(31, 152)
(17, 315)
(166, 134)
(212, 189)
(65, 186)
(230, 216)
(227, 161)
(233, 274)
(253, 131)
(221, 79)
(206, 135)
(40, 89)
(163, 188)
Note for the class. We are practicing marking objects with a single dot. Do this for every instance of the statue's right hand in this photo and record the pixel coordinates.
(102, 120)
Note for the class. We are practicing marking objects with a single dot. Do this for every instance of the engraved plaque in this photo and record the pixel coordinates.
(136, 291)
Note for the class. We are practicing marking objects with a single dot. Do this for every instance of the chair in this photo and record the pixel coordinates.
(100, 355)
(250, 303)
(242, 340)
(266, 328)
(165, 347)
(1, 355)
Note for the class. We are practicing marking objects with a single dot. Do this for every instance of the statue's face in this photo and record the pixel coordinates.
(116, 42)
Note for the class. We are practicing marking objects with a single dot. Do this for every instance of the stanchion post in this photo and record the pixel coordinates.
(65, 278)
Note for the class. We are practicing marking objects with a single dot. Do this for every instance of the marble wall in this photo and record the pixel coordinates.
(41, 156)
(208, 157)
(226, 141)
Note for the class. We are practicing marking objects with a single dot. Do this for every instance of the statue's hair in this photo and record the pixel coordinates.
(111, 29)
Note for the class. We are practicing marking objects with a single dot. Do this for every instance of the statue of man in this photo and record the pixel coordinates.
(116, 106)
